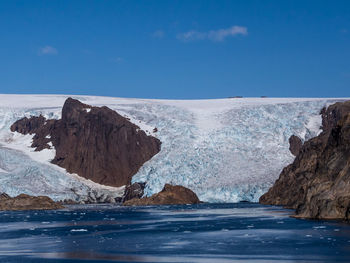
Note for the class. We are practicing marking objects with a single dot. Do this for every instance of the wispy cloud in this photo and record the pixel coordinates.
(158, 34)
(47, 50)
(213, 35)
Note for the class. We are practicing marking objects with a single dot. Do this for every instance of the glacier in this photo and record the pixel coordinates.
(225, 150)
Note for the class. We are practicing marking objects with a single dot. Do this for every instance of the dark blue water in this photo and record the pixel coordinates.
(199, 233)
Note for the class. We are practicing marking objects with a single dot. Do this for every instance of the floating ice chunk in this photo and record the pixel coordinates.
(79, 230)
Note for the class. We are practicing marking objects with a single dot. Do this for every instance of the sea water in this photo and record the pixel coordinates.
(241, 232)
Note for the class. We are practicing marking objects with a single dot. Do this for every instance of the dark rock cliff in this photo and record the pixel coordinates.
(95, 142)
(317, 183)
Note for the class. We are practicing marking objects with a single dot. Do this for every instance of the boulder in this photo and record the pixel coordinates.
(170, 195)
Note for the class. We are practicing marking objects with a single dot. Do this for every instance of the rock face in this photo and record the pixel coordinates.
(95, 142)
(135, 190)
(170, 195)
(295, 145)
(27, 202)
(317, 183)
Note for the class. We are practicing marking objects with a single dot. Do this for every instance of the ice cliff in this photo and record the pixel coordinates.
(225, 150)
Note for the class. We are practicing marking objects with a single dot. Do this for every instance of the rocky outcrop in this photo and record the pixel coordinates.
(94, 142)
(317, 183)
(170, 195)
(27, 202)
(4, 196)
(295, 145)
(135, 190)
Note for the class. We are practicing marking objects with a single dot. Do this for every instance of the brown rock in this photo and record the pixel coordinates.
(67, 202)
(4, 196)
(27, 202)
(295, 145)
(170, 195)
(134, 191)
(95, 142)
(28, 126)
(317, 183)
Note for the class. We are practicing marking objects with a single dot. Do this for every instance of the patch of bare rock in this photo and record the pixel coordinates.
(170, 195)
(295, 145)
(136, 190)
(317, 183)
(94, 142)
(27, 202)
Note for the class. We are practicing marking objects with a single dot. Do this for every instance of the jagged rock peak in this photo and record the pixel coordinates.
(72, 108)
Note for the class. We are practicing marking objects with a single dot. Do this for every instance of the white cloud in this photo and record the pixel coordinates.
(158, 34)
(47, 50)
(192, 35)
(213, 35)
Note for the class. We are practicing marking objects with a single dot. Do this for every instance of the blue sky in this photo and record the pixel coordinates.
(176, 49)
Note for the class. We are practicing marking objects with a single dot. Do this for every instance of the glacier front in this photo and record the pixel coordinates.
(225, 150)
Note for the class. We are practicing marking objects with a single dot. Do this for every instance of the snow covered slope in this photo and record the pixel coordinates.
(226, 150)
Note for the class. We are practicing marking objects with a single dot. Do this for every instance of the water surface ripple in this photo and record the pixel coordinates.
(241, 232)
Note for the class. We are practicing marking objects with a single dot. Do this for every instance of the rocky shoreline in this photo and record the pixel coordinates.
(317, 183)
(170, 195)
(27, 202)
